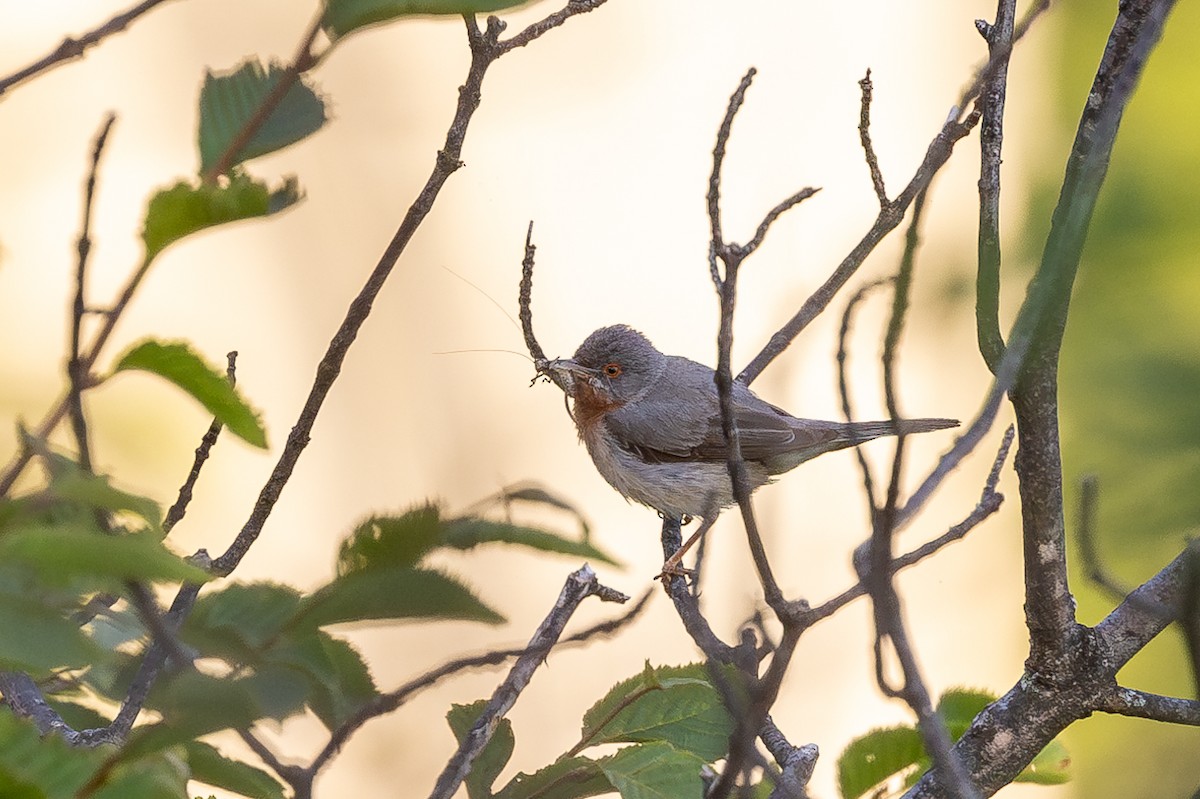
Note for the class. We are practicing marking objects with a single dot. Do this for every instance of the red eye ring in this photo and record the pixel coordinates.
(612, 369)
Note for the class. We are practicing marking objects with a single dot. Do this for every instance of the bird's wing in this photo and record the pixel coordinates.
(684, 423)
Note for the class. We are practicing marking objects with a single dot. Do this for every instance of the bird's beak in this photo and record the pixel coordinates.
(564, 372)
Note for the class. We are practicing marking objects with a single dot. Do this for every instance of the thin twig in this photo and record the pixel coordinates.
(541, 27)
(714, 180)
(888, 219)
(580, 585)
(1145, 705)
(864, 136)
(843, 356)
(999, 37)
(389, 702)
(525, 299)
(989, 502)
(72, 48)
(177, 510)
(76, 374)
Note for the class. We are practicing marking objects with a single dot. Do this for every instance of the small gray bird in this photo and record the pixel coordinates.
(652, 424)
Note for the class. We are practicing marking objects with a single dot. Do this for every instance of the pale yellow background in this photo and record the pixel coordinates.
(601, 132)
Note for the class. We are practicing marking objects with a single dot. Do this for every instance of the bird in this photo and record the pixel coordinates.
(651, 423)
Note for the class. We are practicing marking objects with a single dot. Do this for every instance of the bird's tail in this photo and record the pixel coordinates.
(858, 432)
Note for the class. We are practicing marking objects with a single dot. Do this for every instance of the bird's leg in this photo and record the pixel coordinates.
(672, 568)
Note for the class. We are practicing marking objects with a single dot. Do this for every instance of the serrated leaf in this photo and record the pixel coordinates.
(654, 771)
(494, 757)
(229, 100)
(94, 491)
(339, 681)
(390, 540)
(878, 757)
(209, 766)
(38, 639)
(186, 208)
(566, 778)
(470, 532)
(175, 362)
(344, 16)
(1052, 766)
(241, 618)
(674, 704)
(26, 760)
(393, 593)
(63, 553)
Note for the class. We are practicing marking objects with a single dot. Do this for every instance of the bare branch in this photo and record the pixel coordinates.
(999, 37)
(179, 508)
(936, 157)
(714, 179)
(525, 299)
(551, 22)
(77, 375)
(580, 585)
(864, 136)
(71, 48)
(1145, 705)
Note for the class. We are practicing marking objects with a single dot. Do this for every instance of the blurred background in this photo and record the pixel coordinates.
(602, 133)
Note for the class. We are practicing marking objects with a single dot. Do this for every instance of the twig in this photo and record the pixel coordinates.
(687, 605)
(989, 502)
(889, 619)
(71, 48)
(386, 703)
(77, 375)
(731, 256)
(525, 299)
(795, 762)
(888, 219)
(1145, 705)
(999, 37)
(1089, 489)
(864, 136)
(843, 356)
(177, 510)
(579, 586)
(540, 28)
(484, 51)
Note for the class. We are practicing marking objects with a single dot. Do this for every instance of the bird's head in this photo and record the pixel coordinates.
(614, 365)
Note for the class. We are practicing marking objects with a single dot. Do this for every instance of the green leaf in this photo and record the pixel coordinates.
(186, 208)
(390, 540)
(209, 766)
(566, 778)
(339, 681)
(62, 553)
(654, 771)
(878, 757)
(1052, 766)
(494, 757)
(28, 760)
(393, 593)
(958, 707)
(229, 100)
(38, 639)
(240, 619)
(674, 704)
(344, 16)
(94, 491)
(177, 363)
(469, 532)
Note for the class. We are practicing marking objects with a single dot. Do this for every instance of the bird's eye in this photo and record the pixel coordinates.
(612, 370)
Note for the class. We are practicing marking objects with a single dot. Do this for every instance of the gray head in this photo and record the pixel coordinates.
(621, 361)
